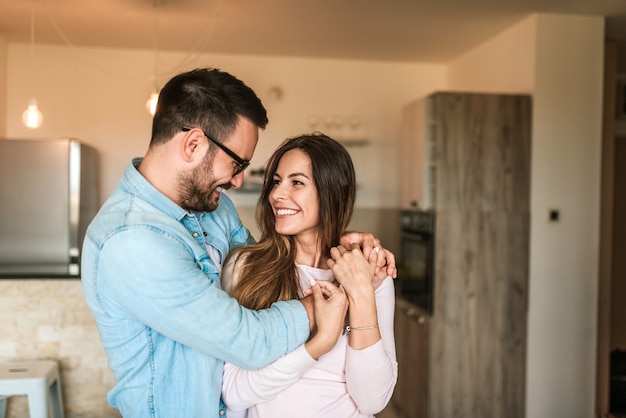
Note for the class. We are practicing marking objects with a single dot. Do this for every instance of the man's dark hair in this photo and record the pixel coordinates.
(206, 98)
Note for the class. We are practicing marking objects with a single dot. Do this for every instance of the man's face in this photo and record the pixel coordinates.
(202, 185)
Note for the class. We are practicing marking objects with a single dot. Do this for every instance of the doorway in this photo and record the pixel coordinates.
(610, 389)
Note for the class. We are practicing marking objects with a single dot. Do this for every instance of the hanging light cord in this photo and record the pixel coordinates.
(192, 55)
(204, 39)
(155, 43)
(32, 44)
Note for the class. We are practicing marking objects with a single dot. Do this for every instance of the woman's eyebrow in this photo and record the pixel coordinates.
(297, 175)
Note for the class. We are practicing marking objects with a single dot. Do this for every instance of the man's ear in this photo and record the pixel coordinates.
(193, 145)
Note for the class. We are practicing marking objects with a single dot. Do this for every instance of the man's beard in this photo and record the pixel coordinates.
(198, 187)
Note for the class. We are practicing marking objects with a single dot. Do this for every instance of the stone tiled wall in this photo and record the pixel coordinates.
(48, 319)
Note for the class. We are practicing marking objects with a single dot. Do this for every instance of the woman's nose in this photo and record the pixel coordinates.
(277, 193)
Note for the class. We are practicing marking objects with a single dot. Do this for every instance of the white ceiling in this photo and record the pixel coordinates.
(389, 30)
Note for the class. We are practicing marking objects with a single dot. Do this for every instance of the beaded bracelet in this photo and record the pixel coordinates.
(348, 328)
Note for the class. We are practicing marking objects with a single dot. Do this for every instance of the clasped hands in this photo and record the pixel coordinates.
(357, 275)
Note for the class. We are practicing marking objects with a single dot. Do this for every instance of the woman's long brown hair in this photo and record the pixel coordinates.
(268, 273)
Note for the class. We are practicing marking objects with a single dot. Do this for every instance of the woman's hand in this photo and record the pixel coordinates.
(356, 273)
(331, 305)
(353, 270)
(386, 261)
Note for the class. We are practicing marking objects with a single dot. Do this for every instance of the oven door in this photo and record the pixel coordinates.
(416, 269)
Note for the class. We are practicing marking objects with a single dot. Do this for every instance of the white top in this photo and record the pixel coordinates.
(343, 383)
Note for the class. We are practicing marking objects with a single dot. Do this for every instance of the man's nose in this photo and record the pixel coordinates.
(237, 180)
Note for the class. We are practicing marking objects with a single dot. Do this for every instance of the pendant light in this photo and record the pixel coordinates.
(32, 117)
(151, 104)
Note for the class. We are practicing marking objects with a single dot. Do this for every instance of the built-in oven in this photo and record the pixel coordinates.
(417, 256)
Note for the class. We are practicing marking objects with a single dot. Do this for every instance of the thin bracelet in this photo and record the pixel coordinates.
(348, 328)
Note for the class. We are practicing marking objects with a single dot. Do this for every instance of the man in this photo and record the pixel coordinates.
(152, 257)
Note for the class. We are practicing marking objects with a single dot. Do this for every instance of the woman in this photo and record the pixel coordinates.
(305, 205)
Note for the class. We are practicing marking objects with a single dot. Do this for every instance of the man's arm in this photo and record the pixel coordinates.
(179, 301)
(309, 307)
(230, 277)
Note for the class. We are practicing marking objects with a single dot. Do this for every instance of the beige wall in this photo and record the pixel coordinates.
(558, 59)
(98, 95)
(503, 64)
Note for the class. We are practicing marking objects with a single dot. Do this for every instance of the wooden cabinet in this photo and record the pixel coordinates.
(481, 195)
(410, 397)
(418, 164)
(412, 155)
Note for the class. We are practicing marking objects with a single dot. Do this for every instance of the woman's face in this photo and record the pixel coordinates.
(294, 196)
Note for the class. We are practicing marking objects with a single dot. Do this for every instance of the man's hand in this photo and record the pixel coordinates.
(331, 305)
(386, 261)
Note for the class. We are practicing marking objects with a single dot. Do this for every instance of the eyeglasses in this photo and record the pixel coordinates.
(241, 163)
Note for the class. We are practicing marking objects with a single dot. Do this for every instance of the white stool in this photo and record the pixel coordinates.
(38, 380)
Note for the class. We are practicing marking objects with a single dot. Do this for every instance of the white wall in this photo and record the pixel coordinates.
(558, 59)
(566, 175)
(98, 95)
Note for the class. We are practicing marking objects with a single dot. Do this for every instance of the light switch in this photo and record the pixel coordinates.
(554, 215)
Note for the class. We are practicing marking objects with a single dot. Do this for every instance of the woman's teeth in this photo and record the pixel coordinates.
(282, 212)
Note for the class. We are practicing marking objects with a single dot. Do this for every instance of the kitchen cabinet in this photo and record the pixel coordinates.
(418, 165)
(474, 173)
(410, 398)
(412, 154)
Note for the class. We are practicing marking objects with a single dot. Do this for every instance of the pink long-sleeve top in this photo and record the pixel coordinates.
(343, 383)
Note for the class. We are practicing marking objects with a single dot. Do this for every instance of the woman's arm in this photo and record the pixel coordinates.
(372, 372)
(355, 272)
(242, 389)
(371, 368)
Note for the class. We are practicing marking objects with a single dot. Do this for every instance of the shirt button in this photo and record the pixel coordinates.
(195, 235)
(222, 412)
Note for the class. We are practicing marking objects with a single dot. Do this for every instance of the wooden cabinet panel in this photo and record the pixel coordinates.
(412, 348)
(483, 151)
(506, 154)
(459, 151)
(477, 333)
(478, 329)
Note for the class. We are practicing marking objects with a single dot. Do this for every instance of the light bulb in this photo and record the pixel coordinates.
(32, 117)
(151, 104)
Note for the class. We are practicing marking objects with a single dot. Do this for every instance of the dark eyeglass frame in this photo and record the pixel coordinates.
(242, 164)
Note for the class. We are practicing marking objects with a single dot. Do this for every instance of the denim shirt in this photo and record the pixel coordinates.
(165, 323)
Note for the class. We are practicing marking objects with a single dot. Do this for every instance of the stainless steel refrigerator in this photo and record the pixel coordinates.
(48, 196)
